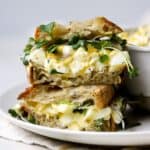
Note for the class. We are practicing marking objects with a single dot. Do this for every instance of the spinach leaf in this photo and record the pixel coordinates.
(29, 45)
(80, 43)
(47, 28)
(52, 49)
(88, 102)
(77, 42)
(74, 39)
(99, 124)
(83, 107)
(31, 119)
(54, 71)
(27, 50)
(101, 44)
(133, 72)
(104, 58)
(13, 113)
(24, 60)
(114, 39)
(117, 39)
(80, 109)
(40, 43)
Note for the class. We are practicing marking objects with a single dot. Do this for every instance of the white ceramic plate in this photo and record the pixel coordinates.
(136, 136)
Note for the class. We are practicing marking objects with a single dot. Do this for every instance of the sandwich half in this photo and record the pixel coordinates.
(85, 108)
(82, 53)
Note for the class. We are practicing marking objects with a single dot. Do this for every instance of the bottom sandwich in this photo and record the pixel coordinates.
(85, 108)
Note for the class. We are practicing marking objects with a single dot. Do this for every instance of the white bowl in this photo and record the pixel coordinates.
(140, 57)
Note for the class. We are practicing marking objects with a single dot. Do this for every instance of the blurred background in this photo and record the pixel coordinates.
(18, 19)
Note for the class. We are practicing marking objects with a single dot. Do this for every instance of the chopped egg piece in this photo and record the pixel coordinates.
(80, 61)
(117, 116)
(118, 58)
(104, 113)
(67, 50)
(38, 56)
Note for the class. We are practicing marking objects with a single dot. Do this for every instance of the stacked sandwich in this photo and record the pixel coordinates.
(75, 72)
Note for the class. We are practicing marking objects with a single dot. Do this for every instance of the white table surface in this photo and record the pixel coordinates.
(12, 73)
(7, 145)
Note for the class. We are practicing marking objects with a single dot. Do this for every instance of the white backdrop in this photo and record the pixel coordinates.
(19, 17)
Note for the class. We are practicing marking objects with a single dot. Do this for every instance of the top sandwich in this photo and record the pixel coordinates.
(81, 53)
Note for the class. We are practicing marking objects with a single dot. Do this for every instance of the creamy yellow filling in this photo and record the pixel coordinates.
(79, 61)
(139, 36)
(77, 121)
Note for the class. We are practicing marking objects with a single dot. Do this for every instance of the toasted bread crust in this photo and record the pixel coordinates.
(38, 75)
(34, 89)
(99, 26)
(101, 95)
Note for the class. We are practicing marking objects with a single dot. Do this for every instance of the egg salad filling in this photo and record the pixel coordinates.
(78, 57)
(72, 115)
(139, 36)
